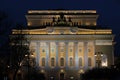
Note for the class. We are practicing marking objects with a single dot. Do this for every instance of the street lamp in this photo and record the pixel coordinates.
(98, 56)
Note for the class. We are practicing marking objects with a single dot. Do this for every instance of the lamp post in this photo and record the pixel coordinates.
(98, 56)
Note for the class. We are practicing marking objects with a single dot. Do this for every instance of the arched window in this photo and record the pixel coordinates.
(80, 62)
(43, 61)
(61, 61)
(89, 61)
(43, 50)
(52, 61)
(80, 50)
(71, 61)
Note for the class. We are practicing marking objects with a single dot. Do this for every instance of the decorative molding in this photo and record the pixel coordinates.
(70, 37)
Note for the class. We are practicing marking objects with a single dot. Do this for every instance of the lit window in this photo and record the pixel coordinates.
(89, 62)
(43, 61)
(52, 61)
(80, 61)
(61, 61)
(71, 61)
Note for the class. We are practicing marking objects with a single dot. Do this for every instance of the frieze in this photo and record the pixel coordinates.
(70, 37)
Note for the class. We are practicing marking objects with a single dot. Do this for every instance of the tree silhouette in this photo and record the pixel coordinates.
(5, 25)
(19, 48)
(101, 74)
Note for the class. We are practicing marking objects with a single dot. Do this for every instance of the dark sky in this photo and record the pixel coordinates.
(109, 10)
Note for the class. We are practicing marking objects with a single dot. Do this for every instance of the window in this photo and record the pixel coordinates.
(80, 61)
(62, 50)
(71, 61)
(89, 62)
(89, 50)
(70, 50)
(43, 61)
(80, 50)
(52, 49)
(43, 50)
(61, 61)
(52, 61)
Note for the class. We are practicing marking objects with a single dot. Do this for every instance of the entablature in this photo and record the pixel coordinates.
(70, 37)
(63, 30)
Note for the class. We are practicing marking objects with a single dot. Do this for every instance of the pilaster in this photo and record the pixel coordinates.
(47, 53)
(86, 55)
(57, 57)
(66, 62)
(37, 53)
(76, 54)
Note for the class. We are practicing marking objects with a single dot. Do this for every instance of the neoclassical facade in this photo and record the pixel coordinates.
(68, 42)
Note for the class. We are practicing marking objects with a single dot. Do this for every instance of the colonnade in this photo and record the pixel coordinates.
(67, 51)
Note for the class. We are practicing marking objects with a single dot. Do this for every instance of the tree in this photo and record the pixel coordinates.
(4, 65)
(34, 74)
(101, 74)
(19, 48)
(117, 63)
(5, 26)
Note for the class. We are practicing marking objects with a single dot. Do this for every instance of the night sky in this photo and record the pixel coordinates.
(109, 10)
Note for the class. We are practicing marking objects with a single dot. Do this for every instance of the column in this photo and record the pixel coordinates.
(57, 47)
(76, 54)
(47, 53)
(94, 55)
(66, 62)
(85, 55)
(37, 53)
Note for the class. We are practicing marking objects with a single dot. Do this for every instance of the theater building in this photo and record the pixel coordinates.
(68, 42)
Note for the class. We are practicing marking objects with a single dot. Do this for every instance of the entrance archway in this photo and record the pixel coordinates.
(62, 76)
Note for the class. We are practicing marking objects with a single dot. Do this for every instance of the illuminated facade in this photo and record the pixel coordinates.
(68, 42)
